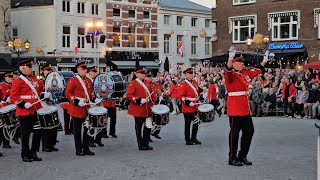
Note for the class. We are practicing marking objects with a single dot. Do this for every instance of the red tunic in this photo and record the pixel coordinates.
(20, 91)
(174, 91)
(134, 91)
(239, 82)
(5, 90)
(74, 90)
(292, 90)
(212, 92)
(186, 91)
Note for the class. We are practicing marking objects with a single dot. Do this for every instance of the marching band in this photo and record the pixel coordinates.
(80, 95)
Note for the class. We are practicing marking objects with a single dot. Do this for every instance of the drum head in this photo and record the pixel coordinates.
(109, 85)
(205, 107)
(46, 110)
(98, 110)
(160, 109)
(8, 108)
(56, 82)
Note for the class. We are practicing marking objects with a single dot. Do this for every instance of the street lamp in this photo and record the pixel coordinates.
(17, 46)
(96, 35)
(257, 40)
(108, 59)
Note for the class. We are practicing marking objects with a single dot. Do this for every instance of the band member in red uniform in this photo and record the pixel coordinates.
(49, 136)
(15, 74)
(25, 93)
(139, 96)
(212, 96)
(237, 79)
(79, 92)
(189, 94)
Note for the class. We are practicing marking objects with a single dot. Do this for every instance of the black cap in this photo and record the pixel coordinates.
(28, 63)
(81, 65)
(46, 67)
(142, 70)
(92, 69)
(189, 70)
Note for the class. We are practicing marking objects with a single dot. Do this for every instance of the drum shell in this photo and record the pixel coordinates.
(9, 118)
(50, 120)
(109, 85)
(206, 116)
(98, 121)
(160, 119)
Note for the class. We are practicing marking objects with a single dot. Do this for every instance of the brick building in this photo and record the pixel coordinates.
(5, 34)
(132, 33)
(292, 26)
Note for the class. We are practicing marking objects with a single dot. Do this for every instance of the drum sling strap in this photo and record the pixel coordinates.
(193, 88)
(33, 89)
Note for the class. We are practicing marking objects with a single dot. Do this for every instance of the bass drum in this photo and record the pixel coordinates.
(110, 85)
(56, 83)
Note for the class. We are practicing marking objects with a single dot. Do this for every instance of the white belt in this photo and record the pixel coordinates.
(238, 93)
(83, 99)
(28, 97)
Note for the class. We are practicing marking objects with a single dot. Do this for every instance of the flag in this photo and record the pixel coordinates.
(180, 49)
(76, 48)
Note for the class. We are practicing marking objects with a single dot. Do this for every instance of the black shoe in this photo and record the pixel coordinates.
(156, 136)
(100, 144)
(220, 113)
(16, 140)
(189, 143)
(235, 163)
(79, 153)
(91, 144)
(245, 161)
(26, 159)
(150, 140)
(88, 152)
(68, 133)
(35, 157)
(46, 149)
(196, 141)
(54, 148)
(143, 148)
(1, 154)
(113, 135)
(149, 148)
(57, 141)
(105, 136)
(6, 146)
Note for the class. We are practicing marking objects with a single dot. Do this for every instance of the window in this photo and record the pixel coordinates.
(81, 37)
(66, 6)
(166, 20)
(179, 40)
(132, 14)
(242, 28)
(132, 37)
(116, 36)
(15, 33)
(81, 7)
(194, 40)
(146, 38)
(207, 46)
(66, 37)
(194, 22)
(207, 23)
(95, 9)
(116, 12)
(146, 14)
(179, 20)
(237, 2)
(284, 25)
(166, 43)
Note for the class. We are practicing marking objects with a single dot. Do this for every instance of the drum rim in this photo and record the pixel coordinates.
(98, 114)
(42, 113)
(206, 110)
(8, 110)
(160, 113)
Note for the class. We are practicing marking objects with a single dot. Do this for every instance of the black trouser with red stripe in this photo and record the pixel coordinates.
(80, 144)
(68, 124)
(237, 123)
(142, 141)
(189, 118)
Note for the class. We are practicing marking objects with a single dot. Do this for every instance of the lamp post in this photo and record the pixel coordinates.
(257, 40)
(16, 47)
(96, 35)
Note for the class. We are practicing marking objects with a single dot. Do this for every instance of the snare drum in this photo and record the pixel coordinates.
(48, 117)
(160, 114)
(109, 85)
(206, 113)
(98, 117)
(8, 115)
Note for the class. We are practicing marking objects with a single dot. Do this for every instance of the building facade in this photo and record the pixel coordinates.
(187, 23)
(292, 27)
(5, 34)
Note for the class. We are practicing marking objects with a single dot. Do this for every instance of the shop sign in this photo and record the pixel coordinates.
(294, 45)
(77, 60)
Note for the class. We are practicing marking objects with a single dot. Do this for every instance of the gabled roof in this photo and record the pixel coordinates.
(30, 3)
(183, 4)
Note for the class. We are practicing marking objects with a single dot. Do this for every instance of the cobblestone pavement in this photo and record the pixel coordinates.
(282, 149)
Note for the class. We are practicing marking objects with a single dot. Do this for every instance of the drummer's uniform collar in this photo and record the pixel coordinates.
(26, 75)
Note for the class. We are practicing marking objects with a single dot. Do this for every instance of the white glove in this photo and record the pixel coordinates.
(98, 100)
(81, 103)
(266, 57)
(143, 100)
(28, 105)
(47, 95)
(191, 104)
(8, 99)
(232, 53)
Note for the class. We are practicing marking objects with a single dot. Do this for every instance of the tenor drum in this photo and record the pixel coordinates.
(56, 82)
(48, 117)
(98, 117)
(160, 114)
(8, 115)
(109, 85)
(206, 113)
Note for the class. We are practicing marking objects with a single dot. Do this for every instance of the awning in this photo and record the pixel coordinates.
(149, 64)
(132, 64)
(313, 65)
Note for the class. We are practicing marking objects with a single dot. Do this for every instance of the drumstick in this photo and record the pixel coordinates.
(38, 101)
(197, 103)
(148, 97)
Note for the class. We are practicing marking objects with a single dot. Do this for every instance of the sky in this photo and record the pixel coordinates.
(207, 3)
